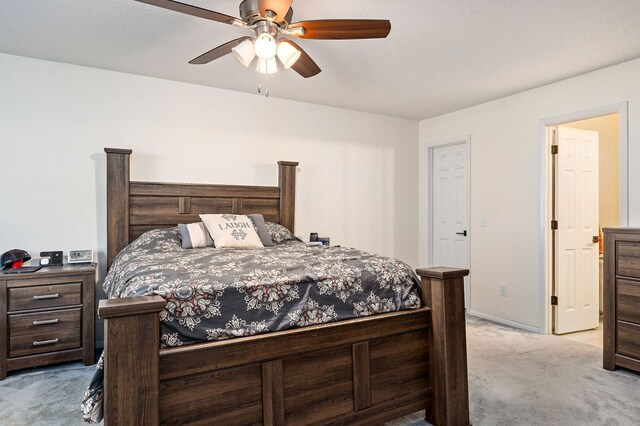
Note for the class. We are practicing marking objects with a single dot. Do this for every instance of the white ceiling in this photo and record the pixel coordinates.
(441, 55)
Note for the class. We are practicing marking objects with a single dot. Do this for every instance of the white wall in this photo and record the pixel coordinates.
(356, 179)
(506, 184)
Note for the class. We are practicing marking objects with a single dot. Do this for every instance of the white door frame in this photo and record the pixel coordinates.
(621, 108)
(465, 139)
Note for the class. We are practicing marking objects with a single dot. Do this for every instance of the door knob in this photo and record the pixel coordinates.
(462, 233)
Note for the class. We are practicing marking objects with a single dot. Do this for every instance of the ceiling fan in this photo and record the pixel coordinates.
(271, 22)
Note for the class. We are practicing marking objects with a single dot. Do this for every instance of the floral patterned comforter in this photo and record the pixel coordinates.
(215, 294)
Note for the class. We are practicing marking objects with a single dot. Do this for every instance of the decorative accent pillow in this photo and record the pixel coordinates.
(261, 229)
(279, 234)
(194, 235)
(231, 231)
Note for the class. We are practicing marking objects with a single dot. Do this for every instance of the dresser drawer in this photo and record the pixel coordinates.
(628, 259)
(628, 300)
(44, 296)
(50, 341)
(628, 340)
(20, 324)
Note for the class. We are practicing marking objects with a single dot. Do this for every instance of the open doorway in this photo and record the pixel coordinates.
(586, 192)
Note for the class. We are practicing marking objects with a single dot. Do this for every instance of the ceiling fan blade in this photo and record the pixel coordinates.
(280, 7)
(305, 66)
(343, 29)
(191, 10)
(218, 52)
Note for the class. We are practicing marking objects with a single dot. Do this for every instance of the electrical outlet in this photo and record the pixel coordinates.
(483, 222)
(503, 290)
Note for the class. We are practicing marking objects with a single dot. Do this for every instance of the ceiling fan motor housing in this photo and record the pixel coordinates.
(250, 13)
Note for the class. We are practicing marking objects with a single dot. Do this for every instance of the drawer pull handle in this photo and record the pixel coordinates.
(45, 322)
(45, 342)
(46, 296)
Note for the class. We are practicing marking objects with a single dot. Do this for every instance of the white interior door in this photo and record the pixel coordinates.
(450, 207)
(576, 256)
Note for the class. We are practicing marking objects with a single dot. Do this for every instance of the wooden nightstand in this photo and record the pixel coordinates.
(47, 317)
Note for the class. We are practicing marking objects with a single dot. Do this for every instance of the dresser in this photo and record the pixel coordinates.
(47, 317)
(622, 298)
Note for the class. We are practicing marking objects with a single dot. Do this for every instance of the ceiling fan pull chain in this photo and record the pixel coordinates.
(266, 83)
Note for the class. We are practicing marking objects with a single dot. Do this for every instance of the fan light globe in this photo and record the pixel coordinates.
(265, 46)
(287, 54)
(244, 52)
(267, 67)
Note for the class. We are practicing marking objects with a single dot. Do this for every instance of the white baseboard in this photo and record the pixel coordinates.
(503, 321)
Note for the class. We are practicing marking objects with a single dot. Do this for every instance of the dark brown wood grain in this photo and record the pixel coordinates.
(69, 317)
(318, 385)
(230, 396)
(273, 392)
(628, 259)
(50, 296)
(399, 365)
(195, 359)
(38, 360)
(628, 339)
(117, 201)
(47, 341)
(609, 300)
(39, 322)
(131, 363)
(621, 333)
(287, 184)
(628, 300)
(137, 207)
(361, 376)
(344, 29)
(448, 352)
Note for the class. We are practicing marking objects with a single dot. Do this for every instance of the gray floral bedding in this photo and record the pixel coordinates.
(215, 294)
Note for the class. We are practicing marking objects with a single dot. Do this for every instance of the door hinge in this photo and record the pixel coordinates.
(554, 225)
(554, 149)
(554, 300)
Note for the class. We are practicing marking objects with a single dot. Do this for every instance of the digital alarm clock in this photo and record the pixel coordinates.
(80, 256)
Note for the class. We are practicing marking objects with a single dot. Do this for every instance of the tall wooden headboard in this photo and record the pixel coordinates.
(136, 207)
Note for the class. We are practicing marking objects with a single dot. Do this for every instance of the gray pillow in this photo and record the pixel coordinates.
(194, 235)
(280, 234)
(261, 229)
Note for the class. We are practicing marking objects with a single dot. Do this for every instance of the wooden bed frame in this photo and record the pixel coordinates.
(359, 371)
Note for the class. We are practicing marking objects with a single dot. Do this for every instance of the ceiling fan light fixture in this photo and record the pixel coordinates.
(267, 66)
(244, 52)
(287, 54)
(266, 46)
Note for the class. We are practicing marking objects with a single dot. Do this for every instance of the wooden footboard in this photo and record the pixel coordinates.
(365, 370)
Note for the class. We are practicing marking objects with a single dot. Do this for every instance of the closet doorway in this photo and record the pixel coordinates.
(588, 192)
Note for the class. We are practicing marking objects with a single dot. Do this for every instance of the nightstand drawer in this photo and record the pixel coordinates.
(44, 296)
(37, 343)
(44, 322)
(628, 300)
(628, 259)
(628, 340)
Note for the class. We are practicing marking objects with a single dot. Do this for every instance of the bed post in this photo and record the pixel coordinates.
(117, 201)
(132, 358)
(443, 292)
(287, 184)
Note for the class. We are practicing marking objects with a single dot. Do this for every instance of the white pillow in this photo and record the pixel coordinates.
(231, 231)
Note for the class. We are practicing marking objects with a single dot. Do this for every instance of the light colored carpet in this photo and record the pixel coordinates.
(515, 378)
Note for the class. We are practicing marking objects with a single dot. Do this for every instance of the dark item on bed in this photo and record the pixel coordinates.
(364, 370)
